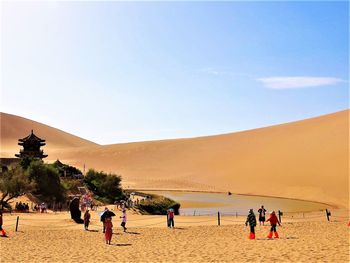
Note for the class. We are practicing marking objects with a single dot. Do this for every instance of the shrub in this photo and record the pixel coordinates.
(105, 186)
(158, 205)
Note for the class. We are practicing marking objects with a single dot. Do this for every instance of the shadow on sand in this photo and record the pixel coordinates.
(132, 233)
(179, 228)
(120, 245)
(266, 238)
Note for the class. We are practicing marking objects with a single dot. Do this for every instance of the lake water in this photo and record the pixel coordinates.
(197, 203)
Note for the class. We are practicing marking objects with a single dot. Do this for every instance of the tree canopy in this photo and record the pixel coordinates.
(14, 183)
(106, 186)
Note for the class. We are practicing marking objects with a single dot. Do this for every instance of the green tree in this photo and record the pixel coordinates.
(47, 180)
(14, 183)
(106, 186)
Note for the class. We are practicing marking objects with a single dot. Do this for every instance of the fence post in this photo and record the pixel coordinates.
(218, 218)
(328, 214)
(17, 223)
(280, 214)
(236, 214)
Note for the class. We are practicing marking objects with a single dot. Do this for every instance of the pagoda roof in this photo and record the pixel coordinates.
(31, 137)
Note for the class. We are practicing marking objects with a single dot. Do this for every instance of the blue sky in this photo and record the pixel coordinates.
(132, 71)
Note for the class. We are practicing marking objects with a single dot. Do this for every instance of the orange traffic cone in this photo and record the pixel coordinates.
(276, 235)
(269, 235)
(349, 223)
(251, 235)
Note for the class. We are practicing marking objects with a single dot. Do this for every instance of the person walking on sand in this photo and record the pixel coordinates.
(103, 219)
(251, 220)
(273, 221)
(108, 230)
(87, 217)
(123, 224)
(3, 232)
(170, 218)
(262, 212)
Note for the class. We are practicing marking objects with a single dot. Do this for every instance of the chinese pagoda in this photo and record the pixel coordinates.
(31, 147)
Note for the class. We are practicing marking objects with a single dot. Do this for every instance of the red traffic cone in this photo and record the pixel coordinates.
(269, 235)
(3, 233)
(276, 235)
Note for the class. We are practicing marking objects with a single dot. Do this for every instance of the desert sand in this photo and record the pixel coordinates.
(305, 160)
(53, 237)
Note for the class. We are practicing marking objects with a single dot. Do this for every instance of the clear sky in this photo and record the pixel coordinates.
(132, 71)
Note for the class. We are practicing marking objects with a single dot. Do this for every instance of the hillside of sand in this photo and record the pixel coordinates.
(15, 127)
(305, 160)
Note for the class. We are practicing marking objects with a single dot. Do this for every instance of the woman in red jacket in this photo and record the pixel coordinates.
(273, 221)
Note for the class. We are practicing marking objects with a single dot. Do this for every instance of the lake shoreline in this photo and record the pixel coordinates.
(333, 206)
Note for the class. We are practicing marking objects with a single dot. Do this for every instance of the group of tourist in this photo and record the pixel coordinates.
(106, 219)
(251, 220)
(22, 207)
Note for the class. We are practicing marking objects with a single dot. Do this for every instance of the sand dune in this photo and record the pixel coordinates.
(305, 160)
(15, 127)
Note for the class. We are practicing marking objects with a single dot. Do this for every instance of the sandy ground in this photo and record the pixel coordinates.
(53, 237)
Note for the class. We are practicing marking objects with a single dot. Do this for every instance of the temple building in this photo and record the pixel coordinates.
(31, 147)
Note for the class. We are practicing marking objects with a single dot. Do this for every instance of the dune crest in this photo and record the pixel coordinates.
(304, 160)
(14, 127)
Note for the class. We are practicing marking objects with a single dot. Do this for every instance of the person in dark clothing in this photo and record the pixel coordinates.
(273, 221)
(251, 220)
(87, 217)
(262, 212)
(3, 232)
(103, 220)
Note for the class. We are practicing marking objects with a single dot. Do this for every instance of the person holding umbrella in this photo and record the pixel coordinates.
(108, 229)
(105, 214)
(103, 218)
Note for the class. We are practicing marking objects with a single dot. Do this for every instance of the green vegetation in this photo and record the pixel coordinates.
(14, 183)
(158, 205)
(65, 170)
(47, 181)
(106, 187)
(52, 182)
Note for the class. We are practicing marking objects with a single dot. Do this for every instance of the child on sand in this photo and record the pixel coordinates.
(273, 221)
(3, 232)
(252, 223)
(87, 219)
(108, 230)
(123, 220)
